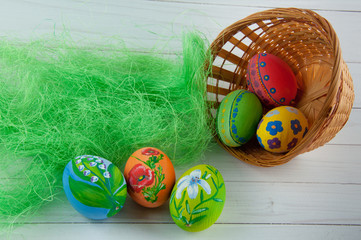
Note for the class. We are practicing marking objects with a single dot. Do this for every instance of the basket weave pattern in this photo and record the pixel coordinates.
(308, 43)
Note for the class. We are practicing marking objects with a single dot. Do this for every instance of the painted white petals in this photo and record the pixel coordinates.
(191, 182)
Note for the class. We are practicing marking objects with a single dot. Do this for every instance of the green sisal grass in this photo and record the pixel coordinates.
(65, 100)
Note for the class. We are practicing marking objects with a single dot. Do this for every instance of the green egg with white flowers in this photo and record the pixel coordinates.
(237, 117)
(198, 198)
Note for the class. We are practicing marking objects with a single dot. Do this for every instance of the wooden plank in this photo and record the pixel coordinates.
(325, 5)
(350, 133)
(50, 17)
(246, 202)
(336, 162)
(328, 164)
(322, 187)
(355, 71)
(115, 22)
(166, 231)
(333, 164)
(315, 196)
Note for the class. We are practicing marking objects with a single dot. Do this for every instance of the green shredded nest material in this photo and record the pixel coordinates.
(63, 101)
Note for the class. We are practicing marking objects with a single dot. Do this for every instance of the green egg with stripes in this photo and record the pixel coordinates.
(198, 198)
(237, 117)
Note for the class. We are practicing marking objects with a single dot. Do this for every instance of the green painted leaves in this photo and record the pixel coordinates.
(198, 198)
(151, 193)
(89, 195)
(196, 211)
(96, 183)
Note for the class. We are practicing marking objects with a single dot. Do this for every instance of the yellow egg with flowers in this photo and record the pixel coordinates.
(281, 129)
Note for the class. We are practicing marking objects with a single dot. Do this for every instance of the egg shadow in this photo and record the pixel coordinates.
(132, 212)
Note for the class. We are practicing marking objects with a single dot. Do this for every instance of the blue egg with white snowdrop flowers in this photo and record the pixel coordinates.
(94, 186)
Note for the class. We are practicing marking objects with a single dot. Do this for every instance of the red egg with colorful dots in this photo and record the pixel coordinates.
(272, 80)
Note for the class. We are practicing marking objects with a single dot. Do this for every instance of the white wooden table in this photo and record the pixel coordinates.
(315, 196)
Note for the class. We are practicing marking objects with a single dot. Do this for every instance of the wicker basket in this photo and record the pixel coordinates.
(309, 44)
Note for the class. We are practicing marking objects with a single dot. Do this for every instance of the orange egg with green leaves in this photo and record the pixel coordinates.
(150, 177)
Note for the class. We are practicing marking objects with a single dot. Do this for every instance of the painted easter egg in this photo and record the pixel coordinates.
(150, 176)
(94, 186)
(272, 80)
(198, 198)
(237, 117)
(281, 129)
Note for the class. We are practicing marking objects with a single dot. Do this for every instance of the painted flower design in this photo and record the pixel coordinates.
(191, 182)
(150, 151)
(260, 141)
(274, 143)
(296, 126)
(92, 164)
(107, 174)
(241, 139)
(240, 96)
(99, 161)
(274, 127)
(94, 179)
(102, 166)
(292, 110)
(272, 113)
(292, 144)
(140, 177)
